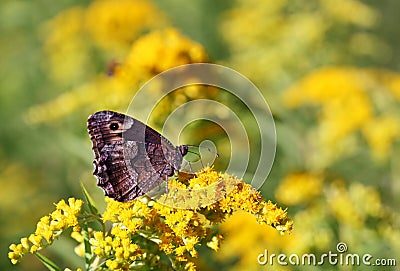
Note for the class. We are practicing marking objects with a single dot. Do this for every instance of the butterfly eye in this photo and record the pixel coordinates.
(114, 126)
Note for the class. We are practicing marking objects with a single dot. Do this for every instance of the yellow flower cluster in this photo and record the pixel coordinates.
(298, 188)
(246, 239)
(65, 46)
(353, 205)
(200, 191)
(345, 13)
(356, 210)
(71, 35)
(380, 133)
(159, 51)
(125, 35)
(117, 246)
(115, 26)
(179, 232)
(154, 53)
(148, 56)
(287, 31)
(48, 229)
(144, 231)
(348, 103)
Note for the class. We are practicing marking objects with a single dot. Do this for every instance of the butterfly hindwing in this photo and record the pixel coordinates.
(130, 158)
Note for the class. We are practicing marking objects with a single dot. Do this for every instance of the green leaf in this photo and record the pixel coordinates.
(49, 264)
(89, 199)
(88, 249)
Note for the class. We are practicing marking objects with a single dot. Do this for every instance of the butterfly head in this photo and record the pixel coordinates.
(183, 149)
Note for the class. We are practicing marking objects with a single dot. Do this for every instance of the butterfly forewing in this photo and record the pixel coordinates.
(131, 158)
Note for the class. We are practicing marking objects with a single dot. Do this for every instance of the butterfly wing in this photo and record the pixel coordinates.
(130, 158)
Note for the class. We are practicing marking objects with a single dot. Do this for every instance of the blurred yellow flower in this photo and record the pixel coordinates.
(66, 47)
(392, 81)
(325, 86)
(149, 55)
(354, 205)
(159, 51)
(115, 26)
(112, 27)
(314, 228)
(348, 100)
(300, 31)
(103, 92)
(380, 133)
(246, 239)
(298, 188)
(351, 11)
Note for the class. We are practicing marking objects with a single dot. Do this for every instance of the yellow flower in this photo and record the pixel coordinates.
(66, 47)
(245, 239)
(352, 11)
(48, 228)
(149, 55)
(215, 242)
(178, 231)
(392, 81)
(114, 26)
(352, 206)
(190, 266)
(281, 36)
(88, 95)
(202, 190)
(380, 133)
(143, 229)
(298, 188)
(77, 236)
(349, 101)
(159, 51)
(246, 198)
(345, 105)
(118, 245)
(16, 253)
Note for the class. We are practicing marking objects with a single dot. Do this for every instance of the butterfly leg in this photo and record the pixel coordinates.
(187, 163)
(166, 185)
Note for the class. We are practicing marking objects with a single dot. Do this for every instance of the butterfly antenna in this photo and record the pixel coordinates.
(211, 151)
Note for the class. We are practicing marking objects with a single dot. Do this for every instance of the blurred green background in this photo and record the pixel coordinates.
(328, 70)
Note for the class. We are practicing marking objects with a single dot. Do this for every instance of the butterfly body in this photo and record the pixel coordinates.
(130, 157)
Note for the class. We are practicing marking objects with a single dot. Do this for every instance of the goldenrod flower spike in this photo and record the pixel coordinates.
(48, 229)
(144, 230)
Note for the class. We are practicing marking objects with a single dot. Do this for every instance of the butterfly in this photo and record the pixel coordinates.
(131, 158)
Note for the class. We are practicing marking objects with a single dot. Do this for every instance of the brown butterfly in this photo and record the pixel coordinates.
(131, 158)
